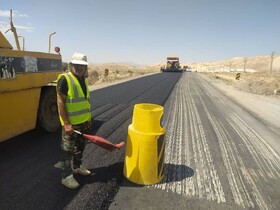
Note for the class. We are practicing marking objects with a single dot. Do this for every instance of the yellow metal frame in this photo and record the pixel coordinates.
(4, 42)
(18, 112)
(16, 53)
(20, 95)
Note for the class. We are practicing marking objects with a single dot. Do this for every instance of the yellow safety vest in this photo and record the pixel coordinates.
(77, 105)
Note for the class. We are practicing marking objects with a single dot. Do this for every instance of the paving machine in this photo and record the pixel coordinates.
(172, 65)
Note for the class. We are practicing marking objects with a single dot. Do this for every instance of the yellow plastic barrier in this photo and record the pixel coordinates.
(144, 158)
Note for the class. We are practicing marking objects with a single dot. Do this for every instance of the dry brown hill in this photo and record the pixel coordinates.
(253, 64)
(260, 82)
(108, 72)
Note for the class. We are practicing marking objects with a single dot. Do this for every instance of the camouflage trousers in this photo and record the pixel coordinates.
(72, 148)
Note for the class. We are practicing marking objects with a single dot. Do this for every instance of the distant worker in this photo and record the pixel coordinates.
(74, 113)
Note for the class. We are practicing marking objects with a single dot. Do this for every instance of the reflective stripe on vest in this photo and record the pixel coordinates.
(77, 105)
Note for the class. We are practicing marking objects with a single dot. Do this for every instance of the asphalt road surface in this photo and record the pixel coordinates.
(28, 178)
(217, 155)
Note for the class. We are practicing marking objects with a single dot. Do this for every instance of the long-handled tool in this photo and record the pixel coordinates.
(99, 141)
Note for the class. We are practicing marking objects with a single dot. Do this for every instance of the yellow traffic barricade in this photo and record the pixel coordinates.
(144, 159)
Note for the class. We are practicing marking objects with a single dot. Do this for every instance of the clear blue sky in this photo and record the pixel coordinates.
(147, 31)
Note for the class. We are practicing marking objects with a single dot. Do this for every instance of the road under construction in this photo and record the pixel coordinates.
(217, 154)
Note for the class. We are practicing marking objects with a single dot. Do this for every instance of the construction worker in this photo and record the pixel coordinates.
(74, 112)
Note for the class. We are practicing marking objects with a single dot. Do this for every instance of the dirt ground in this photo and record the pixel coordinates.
(256, 83)
(107, 73)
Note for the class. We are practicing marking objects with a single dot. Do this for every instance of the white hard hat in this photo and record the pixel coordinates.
(79, 58)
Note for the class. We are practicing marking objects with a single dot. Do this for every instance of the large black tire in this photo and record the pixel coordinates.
(48, 117)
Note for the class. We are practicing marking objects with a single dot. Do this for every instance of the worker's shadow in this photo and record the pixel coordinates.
(106, 174)
(114, 173)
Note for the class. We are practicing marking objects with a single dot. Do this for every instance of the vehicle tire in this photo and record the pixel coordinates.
(48, 117)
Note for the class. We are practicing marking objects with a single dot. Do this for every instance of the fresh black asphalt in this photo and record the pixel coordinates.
(28, 178)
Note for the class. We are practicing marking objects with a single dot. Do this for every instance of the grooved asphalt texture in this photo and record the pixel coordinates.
(28, 179)
(218, 155)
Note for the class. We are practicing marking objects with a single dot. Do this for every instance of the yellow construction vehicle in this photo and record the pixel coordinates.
(172, 65)
(27, 88)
